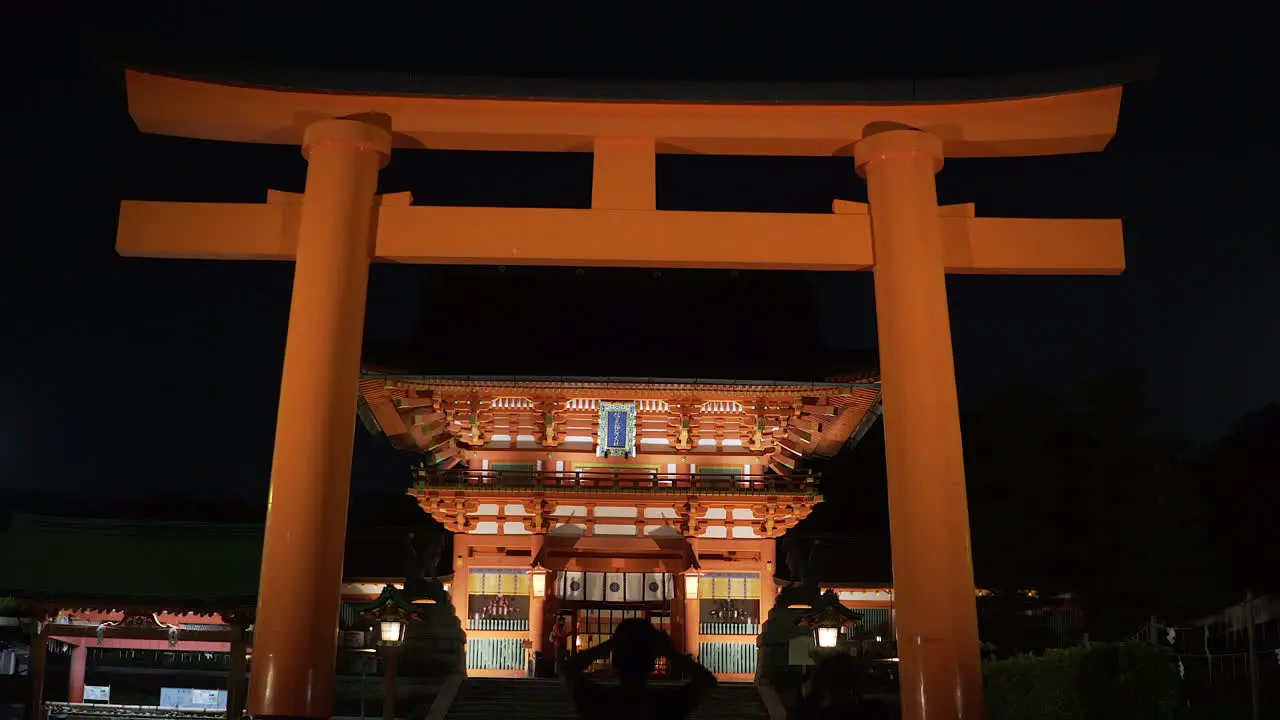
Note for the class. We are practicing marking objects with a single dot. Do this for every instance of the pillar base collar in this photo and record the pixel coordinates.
(898, 143)
(370, 132)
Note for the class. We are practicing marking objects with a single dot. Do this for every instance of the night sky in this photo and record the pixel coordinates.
(125, 377)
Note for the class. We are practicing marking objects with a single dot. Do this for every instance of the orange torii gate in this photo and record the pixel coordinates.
(338, 225)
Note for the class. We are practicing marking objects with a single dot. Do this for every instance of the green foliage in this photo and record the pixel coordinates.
(1072, 491)
(1121, 681)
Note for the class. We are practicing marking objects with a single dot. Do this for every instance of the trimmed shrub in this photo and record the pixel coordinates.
(1120, 681)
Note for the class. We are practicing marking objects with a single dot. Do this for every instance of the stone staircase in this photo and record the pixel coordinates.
(511, 699)
(525, 699)
(732, 700)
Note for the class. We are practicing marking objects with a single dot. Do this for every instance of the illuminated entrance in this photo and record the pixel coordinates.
(593, 603)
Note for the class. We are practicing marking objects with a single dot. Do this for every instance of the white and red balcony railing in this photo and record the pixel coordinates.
(616, 481)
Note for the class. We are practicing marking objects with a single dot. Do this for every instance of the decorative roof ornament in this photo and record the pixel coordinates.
(829, 612)
(139, 621)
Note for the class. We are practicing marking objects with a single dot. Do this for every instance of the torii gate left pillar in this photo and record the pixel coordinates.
(295, 635)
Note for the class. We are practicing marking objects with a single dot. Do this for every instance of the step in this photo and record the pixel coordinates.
(510, 699)
(732, 700)
(521, 699)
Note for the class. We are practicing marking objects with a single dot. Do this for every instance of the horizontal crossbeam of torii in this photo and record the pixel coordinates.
(405, 233)
(337, 226)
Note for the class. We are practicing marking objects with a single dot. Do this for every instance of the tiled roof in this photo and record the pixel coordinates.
(183, 564)
(383, 398)
(553, 384)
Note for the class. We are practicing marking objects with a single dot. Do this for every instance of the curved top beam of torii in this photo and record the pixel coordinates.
(1071, 122)
(624, 138)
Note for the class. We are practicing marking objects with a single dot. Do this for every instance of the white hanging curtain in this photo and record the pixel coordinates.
(634, 587)
(615, 587)
(654, 586)
(570, 585)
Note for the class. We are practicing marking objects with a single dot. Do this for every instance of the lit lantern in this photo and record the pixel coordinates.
(691, 578)
(827, 624)
(391, 632)
(826, 637)
(538, 581)
(391, 614)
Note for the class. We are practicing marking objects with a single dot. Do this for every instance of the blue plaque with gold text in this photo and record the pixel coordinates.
(617, 430)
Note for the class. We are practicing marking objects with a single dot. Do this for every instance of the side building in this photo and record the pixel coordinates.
(128, 615)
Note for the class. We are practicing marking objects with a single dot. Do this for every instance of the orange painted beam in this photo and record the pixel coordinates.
(1048, 125)
(208, 231)
(621, 238)
(1032, 246)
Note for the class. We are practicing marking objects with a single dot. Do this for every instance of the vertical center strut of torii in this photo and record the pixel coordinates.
(339, 225)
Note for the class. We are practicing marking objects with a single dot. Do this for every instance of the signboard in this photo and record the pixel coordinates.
(800, 650)
(193, 699)
(204, 698)
(352, 639)
(617, 430)
(97, 693)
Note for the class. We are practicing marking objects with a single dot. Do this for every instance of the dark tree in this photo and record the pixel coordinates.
(1232, 525)
(1077, 494)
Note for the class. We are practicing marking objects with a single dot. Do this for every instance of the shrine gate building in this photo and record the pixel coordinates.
(585, 501)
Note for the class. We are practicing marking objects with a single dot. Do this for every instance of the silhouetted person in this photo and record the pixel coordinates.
(636, 644)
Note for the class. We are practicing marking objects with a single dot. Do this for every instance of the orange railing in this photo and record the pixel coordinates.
(617, 481)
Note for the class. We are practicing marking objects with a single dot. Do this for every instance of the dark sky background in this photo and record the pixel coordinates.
(124, 377)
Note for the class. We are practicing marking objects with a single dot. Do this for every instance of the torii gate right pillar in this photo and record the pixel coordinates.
(937, 625)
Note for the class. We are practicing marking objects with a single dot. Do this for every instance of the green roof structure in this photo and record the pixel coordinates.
(117, 563)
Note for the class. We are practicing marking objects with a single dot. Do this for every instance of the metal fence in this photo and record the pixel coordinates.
(495, 654)
(513, 624)
(729, 628)
(1230, 663)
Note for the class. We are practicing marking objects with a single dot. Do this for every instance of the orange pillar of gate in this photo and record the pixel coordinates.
(768, 586)
(460, 586)
(941, 674)
(295, 634)
(75, 673)
(538, 602)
